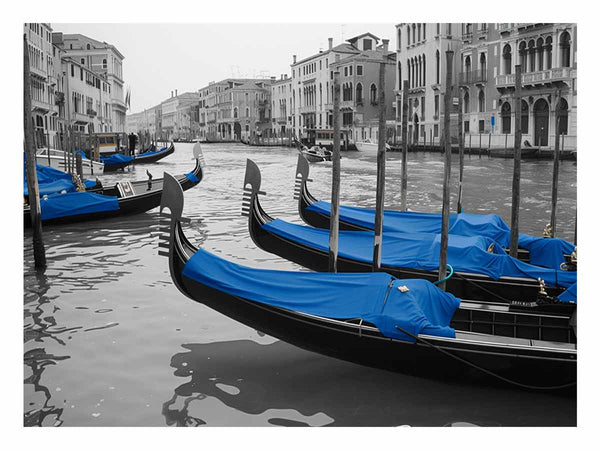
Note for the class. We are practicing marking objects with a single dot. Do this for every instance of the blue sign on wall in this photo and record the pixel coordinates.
(493, 120)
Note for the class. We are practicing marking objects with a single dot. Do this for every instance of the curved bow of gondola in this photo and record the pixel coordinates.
(305, 200)
(153, 155)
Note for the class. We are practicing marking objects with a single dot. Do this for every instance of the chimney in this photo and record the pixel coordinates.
(330, 43)
(273, 78)
(175, 92)
(171, 94)
(294, 56)
(385, 45)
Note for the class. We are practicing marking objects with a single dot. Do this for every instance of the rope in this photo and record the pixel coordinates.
(500, 377)
(448, 266)
(483, 289)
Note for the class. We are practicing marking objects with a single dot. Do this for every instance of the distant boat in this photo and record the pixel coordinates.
(368, 146)
(316, 154)
(58, 160)
(526, 152)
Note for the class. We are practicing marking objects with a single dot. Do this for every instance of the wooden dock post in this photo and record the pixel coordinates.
(461, 152)
(556, 165)
(39, 253)
(516, 186)
(479, 145)
(334, 223)
(447, 166)
(380, 193)
(404, 176)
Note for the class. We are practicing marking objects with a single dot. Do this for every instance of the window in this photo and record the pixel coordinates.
(81, 74)
(373, 97)
(351, 70)
(524, 117)
(507, 58)
(83, 61)
(359, 97)
(367, 44)
(359, 70)
(104, 65)
(565, 49)
(437, 66)
(481, 101)
(346, 71)
(436, 106)
(88, 46)
(72, 70)
(563, 116)
(481, 126)
(466, 108)
(506, 117)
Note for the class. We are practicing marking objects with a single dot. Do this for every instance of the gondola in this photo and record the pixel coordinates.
(359, 317)
(153, 155)
(116, 161)
(481, 271)
(316, 154)
(546, 252)
(125, 197)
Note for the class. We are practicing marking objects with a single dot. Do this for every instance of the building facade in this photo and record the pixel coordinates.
(235, 109)
(103, 59)
(312, 87)
(281, 106)
(421, 60)
(45, 72)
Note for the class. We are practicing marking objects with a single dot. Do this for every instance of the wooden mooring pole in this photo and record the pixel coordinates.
(556, 165)
(461, 153)
(447, 166)
(334, 223)
(39, 253)
(380, 195)
(516, 186)
(404, 176)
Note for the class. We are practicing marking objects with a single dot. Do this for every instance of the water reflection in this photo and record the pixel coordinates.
(278, 384)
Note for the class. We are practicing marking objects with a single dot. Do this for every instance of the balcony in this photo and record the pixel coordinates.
(542, 77)
(473, 77)
(41, 106)
(466, 37)
(308, 109)
(90, 112)
(80, 118)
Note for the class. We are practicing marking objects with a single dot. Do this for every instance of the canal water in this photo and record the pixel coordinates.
(110, 341)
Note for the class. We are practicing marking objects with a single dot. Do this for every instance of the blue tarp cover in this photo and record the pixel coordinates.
(51, 181)
(543, 252)
(82, 153)
(422, 251)
(423, 309)
(192, 177)
(156, 152)
(570, 295)
(116, 158)
(75, 203)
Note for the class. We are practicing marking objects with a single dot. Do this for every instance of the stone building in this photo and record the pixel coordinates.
(177, 115)
(312, 83)
(421, 60)
(281, 106)
(103, 59)
(235, 109)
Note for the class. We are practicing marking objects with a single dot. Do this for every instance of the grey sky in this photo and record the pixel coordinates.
(160, 58)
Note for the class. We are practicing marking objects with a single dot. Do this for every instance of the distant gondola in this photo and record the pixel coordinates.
(515, 283)
(125, 197)
(153, 155)
(362, 317)
(546, 252)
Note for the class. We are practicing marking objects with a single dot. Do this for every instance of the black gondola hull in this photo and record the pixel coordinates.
(154, 158)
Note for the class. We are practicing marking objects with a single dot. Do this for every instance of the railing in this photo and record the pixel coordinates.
(539, 77)
(308, 109)
(479, 76)
(467, 36)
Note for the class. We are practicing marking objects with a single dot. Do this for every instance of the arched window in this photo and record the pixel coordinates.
(481, 101)
(466, 105)
(408, 72)
(88, 47)
(563, 116)
(531, 51)
(399, 76)
(399, 39)
(419, 71)
(507, 57)
(506, 117)
(424, 32)
(373, 97)
(523, 56)
(419, 33)
(359, 96)
(247, 112)
(437, 66)
(235, 113)
(548, 48)
(437, 29)
(483, 66)
(414, 36)
(468, 68)
(408, 35)
(424, 72)
(565, 49)
(539, 49)
(524, 117)
(104, 65)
